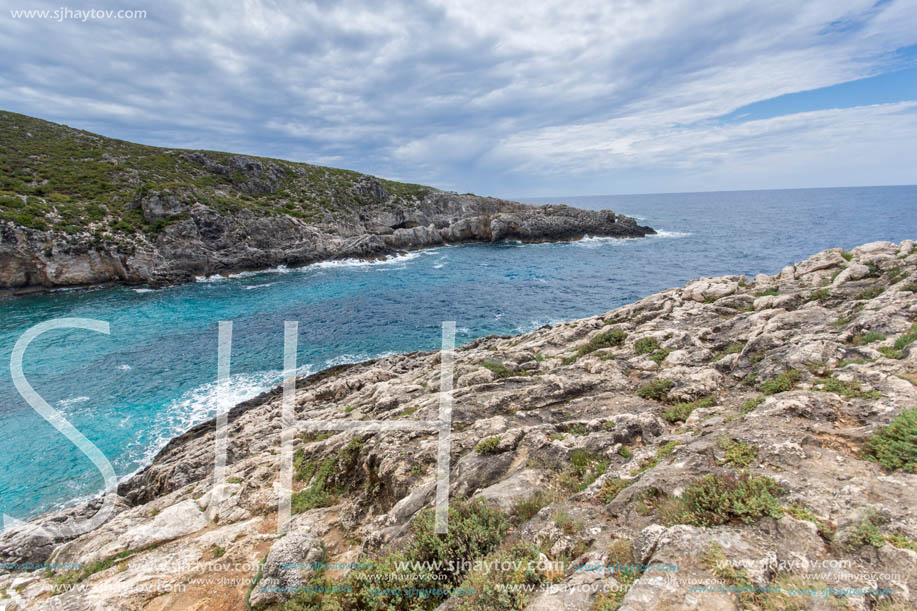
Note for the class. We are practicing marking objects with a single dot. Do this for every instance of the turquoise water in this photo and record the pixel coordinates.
(151, 379)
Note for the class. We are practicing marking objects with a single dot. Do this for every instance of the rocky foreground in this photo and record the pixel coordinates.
(755, 436)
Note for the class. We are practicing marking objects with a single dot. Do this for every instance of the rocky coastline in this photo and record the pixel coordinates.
(743, 430)
(201, 241)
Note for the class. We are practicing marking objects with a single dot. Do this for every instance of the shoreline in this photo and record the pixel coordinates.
(7, 293)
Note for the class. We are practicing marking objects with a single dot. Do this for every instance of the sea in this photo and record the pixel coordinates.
(154, 375)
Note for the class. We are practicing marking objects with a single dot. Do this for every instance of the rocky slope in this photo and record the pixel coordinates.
(768, 422)
(77, 208)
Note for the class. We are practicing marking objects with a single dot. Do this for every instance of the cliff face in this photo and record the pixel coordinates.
(204, 241)
(78, 209)
(764, 421)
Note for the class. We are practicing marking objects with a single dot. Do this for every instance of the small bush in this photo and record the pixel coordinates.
(659, 356)
(737, 454)
(657, 390)
(865, 533)
(584, 469)
(608, 339)
(625, 452)
(907, 339)
(499, 369)
(786, 381)
(861, 339)
(645, 345)
(768, 293)
(849, 389)
(870, 293)
(820, 295)
(733, 348)
(722, 499)
(503, 589)
(488, 445)
(902, 541)
(661, 453)
(751, 404)
(612, 487)
(680, 412)
(895, 446)
(525, 509)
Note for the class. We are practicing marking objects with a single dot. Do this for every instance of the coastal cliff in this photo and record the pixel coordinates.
(757, 434)
(80, 209)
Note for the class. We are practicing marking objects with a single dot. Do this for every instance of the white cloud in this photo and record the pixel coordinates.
(479, 94)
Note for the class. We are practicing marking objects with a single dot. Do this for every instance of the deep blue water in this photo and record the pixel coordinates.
(152, 377)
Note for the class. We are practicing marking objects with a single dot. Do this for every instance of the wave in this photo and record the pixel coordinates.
(124, 367)
(662, 233)
(143, 291)
(65, 403)
(389, 260)
(258, 286)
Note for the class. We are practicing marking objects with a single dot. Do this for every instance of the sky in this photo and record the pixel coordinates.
(521, 99)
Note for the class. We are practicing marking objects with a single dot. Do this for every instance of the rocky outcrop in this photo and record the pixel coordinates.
(722, 429)
(198, 239)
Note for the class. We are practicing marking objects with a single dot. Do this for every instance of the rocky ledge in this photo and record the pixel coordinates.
(197, 239)
(755, 436)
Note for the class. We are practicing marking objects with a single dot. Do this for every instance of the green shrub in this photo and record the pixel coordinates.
(657, 390)
(861, 339)
(733, 348)
(645, 345)
(612, 487)
(659, 356)
(751, 404)
(907, 338)
(662, 452)
(584, 469)
(847, 255)
(820, 295)
(902, 541)
(768, 293)
(476, 529)
(525, 509)
(488, 445)
(722, 499)
(624, 451)
(680, 412)
(865, 533)
(608, 339)
(499, 370)
(911, 287)
(895, 446)
(848, 389)
(784, 382)
(503, 590)
(737, 454)
(870, 293)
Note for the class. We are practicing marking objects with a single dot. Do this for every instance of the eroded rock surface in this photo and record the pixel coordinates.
(588, 436)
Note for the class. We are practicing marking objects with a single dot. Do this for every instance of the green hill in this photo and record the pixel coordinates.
(56, 177)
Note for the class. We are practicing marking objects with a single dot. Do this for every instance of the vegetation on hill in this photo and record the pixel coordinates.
(56, 177)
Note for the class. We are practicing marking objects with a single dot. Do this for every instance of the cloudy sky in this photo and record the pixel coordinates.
(517, 99)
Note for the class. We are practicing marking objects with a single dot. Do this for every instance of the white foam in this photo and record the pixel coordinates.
(661, 233)
(72, 401)
(390, 260)
(142, 291)
(124, 367)
(258, 286)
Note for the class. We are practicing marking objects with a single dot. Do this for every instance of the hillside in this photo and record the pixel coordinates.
(77, 208)
(757, 434)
